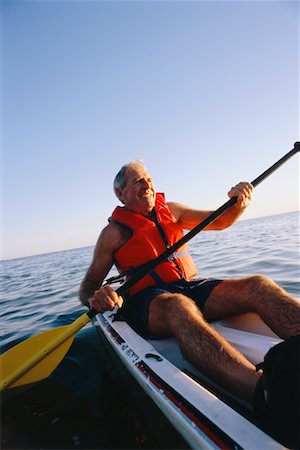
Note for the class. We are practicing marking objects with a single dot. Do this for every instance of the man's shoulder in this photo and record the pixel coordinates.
(116, 233)
(112, 229)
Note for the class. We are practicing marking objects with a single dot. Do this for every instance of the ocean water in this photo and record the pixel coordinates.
(83, 402)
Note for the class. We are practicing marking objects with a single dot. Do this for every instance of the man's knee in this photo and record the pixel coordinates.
(167, 311)
(259, 288)
(259, 284)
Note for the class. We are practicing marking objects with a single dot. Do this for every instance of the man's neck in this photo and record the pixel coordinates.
(151, 215)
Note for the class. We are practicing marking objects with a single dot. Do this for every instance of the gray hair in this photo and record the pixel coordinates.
(121, 177)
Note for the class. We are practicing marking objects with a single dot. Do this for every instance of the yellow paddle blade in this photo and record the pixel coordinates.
(14, 363)
(36, 358)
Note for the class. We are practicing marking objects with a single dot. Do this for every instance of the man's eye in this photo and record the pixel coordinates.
(142, 180)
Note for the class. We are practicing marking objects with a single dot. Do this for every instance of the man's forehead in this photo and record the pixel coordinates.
(137, 170)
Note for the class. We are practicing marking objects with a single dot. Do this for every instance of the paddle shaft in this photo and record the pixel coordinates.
(149, 266)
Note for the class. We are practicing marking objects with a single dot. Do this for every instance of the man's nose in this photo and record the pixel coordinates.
(146, 183)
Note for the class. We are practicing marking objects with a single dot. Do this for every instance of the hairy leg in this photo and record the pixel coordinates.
(175, 314)
(257, 293)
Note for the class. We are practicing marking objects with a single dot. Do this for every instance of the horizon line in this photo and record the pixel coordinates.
(92, 245)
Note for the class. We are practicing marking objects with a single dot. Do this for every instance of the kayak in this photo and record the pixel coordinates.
(204, 414)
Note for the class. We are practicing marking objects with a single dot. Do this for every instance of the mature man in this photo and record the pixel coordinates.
(170, 301)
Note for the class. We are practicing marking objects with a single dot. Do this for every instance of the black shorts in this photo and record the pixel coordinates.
(136, 307)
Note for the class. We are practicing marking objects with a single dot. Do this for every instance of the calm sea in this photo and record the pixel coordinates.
(84, 404)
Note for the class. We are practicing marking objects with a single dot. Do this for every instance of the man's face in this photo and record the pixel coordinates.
(139, 192)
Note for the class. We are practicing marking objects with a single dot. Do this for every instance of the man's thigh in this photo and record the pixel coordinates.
(232, 296)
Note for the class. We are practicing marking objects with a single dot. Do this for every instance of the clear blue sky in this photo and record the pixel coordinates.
(205, 92)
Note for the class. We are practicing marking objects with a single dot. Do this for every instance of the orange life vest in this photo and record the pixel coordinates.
(149, 240)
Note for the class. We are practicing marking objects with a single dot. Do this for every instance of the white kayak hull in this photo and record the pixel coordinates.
(199, 414)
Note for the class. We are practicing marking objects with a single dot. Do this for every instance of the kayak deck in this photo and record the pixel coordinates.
(205, 415)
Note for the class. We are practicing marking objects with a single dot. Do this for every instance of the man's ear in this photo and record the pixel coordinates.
(119, 194)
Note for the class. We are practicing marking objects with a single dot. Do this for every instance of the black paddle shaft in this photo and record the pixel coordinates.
(150, 265)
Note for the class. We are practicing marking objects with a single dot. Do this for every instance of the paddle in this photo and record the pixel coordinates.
(36, 358)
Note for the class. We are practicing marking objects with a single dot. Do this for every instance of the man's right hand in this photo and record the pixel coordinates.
(105, 299)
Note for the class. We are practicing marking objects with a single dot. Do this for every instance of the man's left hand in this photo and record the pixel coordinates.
(243, 192)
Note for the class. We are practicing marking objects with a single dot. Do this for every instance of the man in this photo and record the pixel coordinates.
(164, 303)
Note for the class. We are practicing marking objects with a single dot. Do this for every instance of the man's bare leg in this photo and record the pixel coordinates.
(279, 310)
(175, 314)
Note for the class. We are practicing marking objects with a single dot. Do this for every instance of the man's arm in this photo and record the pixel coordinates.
(102, 262)
(188, 218)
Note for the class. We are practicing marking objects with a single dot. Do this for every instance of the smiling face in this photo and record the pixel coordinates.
(138, 195)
